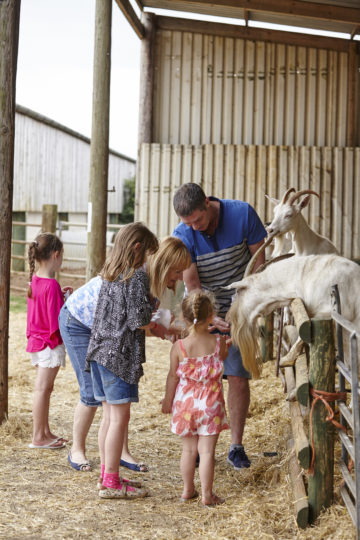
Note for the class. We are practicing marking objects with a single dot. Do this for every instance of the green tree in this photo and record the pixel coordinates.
(127, 215)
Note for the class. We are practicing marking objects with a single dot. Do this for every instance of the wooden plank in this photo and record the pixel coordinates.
(269, 92)
(243, 32)
(321, 87)
(325, 202)
(249, 77)
(206, 95)
(310, 92)
(250, 174)
(163, 89)
(356, 215)
(175, 89)
(165, 201)
(279, 104)
(207, 183)
(352, 97)
(142, 202)
(302, 321)
(331, 100)
(175, 174)
(131, 17)
(337, 199)
(240, 164)
(218, 173)
(302, 380)
(259, 87)
(217, 90)
(228, 90)
(289, 98)
(185, 89)
(348, 201)
(153, 195)
(300, 497)
(261, 166)
(238, 104)
(300, 96)
(229, 172)
(314, 207)
(341, 119)
(196, 89)
(302, 446)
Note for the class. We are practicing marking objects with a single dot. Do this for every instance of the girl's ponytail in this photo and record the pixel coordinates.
(32, 258)
(197, 307)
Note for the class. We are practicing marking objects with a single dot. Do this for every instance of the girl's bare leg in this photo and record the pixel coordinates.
(206, 448)
(187, 465)
(44, 385)
(103, 429)
(114, 440)
(83, 417)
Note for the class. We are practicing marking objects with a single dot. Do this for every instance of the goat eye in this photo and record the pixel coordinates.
(289, 215)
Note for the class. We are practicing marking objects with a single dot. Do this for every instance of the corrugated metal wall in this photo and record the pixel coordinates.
(53, 167)
(218, 90)
(247, 173)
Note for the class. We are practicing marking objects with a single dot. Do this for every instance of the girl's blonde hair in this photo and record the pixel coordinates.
(197, 307)
(172, 253)
(41, 249)
(123, 259)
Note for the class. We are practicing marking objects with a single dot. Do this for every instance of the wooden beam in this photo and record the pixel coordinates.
(146, 96)
(258, 34)
(299, 8)
(131, 17)
(9, 37)
(353, 99)
(99, 147)
(301, 504)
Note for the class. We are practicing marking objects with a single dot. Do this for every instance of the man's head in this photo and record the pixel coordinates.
(192, 206)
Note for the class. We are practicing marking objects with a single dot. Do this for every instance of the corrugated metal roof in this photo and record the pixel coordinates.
(329, 15)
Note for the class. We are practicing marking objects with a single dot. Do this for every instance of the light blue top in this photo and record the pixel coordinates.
(82, 302)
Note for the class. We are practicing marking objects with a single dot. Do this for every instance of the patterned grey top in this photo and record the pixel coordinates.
(116, 341)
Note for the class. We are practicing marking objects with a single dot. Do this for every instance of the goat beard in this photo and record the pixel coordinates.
(245, 336)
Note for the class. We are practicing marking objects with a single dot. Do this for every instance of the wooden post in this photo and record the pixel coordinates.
(49, 218)
(302, 320)
(300, 498)
(146, 96)
(99, 147)
(322, 377)
(302, 447)
(9, 39)
(267, 337)
(302, 380)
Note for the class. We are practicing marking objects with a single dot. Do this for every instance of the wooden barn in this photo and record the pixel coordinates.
(52, 166)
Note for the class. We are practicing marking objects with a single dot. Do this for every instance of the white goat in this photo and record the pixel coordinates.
(288, 218)
(309, 278)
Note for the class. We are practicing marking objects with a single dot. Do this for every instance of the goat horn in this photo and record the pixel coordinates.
(252, 262)
(286, 195)
(299, 194)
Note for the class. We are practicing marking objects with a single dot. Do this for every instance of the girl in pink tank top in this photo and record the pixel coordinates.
(194, 395)
(46, 348)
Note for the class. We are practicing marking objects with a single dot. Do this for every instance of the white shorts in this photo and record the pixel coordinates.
(49, 358)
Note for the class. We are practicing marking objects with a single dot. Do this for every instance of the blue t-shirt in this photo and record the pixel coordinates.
(82, 302)
(221, 259)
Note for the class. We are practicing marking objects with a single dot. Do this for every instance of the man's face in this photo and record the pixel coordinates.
(199, 220)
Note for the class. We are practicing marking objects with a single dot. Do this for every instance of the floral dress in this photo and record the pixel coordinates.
(199, 407)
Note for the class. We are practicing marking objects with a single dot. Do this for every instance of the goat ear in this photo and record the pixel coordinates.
(272, 200)
(304, 202)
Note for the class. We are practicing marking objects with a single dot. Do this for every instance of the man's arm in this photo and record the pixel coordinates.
(261, 259)
(191, 278)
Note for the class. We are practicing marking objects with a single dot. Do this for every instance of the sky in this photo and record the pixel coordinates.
(55, 66)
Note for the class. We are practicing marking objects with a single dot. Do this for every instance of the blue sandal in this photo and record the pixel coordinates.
(84, 467)
(138, 467)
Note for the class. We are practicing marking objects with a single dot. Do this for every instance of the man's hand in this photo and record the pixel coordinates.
(220, 324)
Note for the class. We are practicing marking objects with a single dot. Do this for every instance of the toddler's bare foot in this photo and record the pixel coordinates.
(213, 500)
(188, 495)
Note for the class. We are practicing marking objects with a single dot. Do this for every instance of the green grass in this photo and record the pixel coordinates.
(17, 304)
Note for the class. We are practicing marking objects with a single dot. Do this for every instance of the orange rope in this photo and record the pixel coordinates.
(325, 397)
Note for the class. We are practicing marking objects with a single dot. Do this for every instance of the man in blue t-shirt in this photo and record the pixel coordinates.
(221, 236)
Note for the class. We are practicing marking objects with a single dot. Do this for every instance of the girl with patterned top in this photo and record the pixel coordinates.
(195, 397)
(46, 348)
(117, 349)
(164, 268)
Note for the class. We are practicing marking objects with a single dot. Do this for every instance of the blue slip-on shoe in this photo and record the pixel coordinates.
(237, 457)
(138, 467)
(85, 467)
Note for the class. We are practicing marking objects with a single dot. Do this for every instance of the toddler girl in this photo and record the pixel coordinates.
(47, 351)
(195, 396)
(117, 349)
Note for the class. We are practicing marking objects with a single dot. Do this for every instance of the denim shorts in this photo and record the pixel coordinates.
(233, 364)
(110, 388)
(76, 337)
